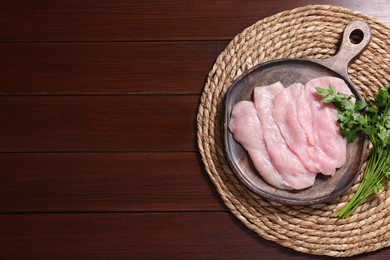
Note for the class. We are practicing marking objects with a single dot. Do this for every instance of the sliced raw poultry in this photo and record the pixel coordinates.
(304, 116)
(284, 160)
(290, 133)
(247, 130)
(330, 146)
(285, 111)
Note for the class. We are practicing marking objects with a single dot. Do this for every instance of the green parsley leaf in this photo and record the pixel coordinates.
(372, 118)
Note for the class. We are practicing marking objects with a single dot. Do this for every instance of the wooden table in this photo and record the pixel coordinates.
(98, 102)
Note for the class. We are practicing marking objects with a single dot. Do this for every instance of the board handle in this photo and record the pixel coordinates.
(356, 37)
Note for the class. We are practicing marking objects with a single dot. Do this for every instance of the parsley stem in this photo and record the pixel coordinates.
(373, 180)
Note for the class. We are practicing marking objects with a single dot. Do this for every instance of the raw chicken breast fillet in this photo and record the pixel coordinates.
(290, 133)
(284, 160)
(330, 146)
(285, 111)
(247, 130)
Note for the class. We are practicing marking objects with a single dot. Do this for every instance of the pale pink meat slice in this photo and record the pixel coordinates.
(304, 116)
(284, 160)
(330, 146)
(247, 130)
(285, 112)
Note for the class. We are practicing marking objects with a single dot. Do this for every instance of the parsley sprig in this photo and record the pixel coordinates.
(371, 117)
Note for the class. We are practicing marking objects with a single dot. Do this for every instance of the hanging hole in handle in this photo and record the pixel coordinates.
(356, 36)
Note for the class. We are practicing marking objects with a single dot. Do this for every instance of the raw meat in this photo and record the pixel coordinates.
(247, 130)
(284, 160)
(330, 146)
(286, 106)
(290, 133)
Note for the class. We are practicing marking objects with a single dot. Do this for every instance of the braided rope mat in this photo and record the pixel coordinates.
(307, 32)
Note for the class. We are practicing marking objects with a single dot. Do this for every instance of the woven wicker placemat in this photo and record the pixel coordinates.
(307, 32)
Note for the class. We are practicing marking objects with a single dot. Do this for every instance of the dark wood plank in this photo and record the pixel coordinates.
(105, 182)
(106, 68)
(120, 20)
(98, 123)
(138, 236)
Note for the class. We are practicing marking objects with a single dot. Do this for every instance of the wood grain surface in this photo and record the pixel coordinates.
(98, 152)
(135, 20)
(132, 236)
(98, 123)
(59, 182)
(107, 68)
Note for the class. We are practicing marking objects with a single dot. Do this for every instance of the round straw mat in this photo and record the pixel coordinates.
(307, 32)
